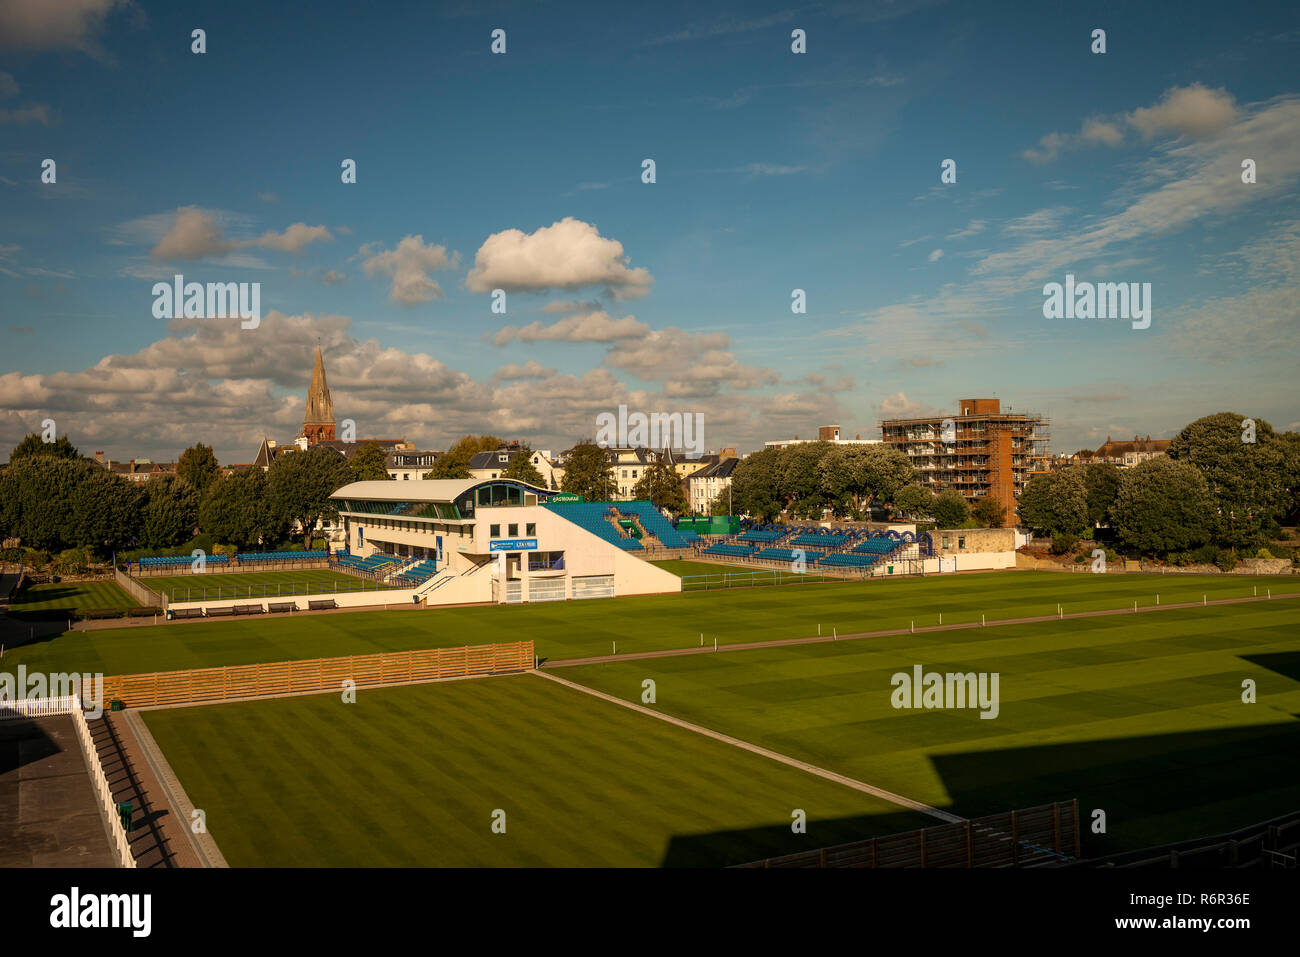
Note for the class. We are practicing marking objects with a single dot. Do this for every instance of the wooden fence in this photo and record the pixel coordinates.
(1048, 834)
(142, 594)
(316, 674)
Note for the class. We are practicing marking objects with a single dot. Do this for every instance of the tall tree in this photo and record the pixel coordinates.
(522, 469)
(988, 512)
(36, 499)
(914, 500)
(454, 463)
(238, 510)
(1101, 482)
(661, 484)
(33, 444)
(949, 509)
(755, 486)
(864, 474)
(370, 464)
(107, 511)
(587, 471)
(300, 486)
(1163, 505)
(1248, 479)
(170, 512)
(198, 466)
(799, 478)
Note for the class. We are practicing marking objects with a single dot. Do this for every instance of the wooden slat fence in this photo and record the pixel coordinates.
(316, 674)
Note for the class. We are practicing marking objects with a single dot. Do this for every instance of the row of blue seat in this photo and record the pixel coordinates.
(169, 561)
(730, 550)
(279, 556)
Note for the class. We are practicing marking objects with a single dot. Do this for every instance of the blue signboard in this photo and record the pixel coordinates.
(514, 545)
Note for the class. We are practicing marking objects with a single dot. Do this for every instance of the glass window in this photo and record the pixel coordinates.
(961, 541)
(494, 531)
(514, 530)
(530, 529)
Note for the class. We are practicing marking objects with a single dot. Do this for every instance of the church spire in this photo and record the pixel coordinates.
(318, 422)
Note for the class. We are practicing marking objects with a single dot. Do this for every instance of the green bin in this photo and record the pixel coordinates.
(124, 811)
(116, 705)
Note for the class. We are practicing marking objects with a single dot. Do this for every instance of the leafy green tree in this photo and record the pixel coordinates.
(1248, 481)
(370, 464)
(1163, 505)
(799, 479)
(300, 485)
(33, 444)
(587, 471)
(720, 505)
(989, 512)
(36, 499)
(856, 476)
(454, 463)
(661, 485)
(170, 512)
(239, 510)
(198, 466)
(107, 511)
(949, 509)
(1101, 485)
(522, 469)
(1056, 502)
(914, 500)
(755, 486)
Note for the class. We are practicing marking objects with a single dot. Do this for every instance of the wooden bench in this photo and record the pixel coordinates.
(221, 612)
(249, 610)
(144, 612)
(102, 613)
(322, 603)
(279, 606)
(187, 612)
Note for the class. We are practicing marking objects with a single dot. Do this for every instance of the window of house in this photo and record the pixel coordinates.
(530, 529)
(514, 530)
(634, 473)
(961, 541)
(494, 531)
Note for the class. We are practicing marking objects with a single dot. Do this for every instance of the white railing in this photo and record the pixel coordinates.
(117, 833)
(38, 707)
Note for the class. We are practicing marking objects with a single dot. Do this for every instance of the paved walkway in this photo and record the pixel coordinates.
(49, 816)
(777, 756)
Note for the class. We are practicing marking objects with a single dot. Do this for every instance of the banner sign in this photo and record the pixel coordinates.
(514, 545)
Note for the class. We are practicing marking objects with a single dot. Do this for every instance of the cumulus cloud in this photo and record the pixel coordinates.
(54, 24)
(1193, 111)
(569, 254)
(408, 265)
(597, 326)
(532, 369)
(195, 233)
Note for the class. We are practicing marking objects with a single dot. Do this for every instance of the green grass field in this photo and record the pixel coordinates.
(412, 776)
(684, 569)
(1140, 716)
(220, 585)
(587, 628)
(66, 599)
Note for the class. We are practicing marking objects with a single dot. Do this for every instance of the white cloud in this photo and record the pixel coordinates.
(569, 254)
(974, 228)
(408, 265)
(55, 24)
(597, 326)
(37, 113)
(1192, 111)
(935, 256)
(293, 239)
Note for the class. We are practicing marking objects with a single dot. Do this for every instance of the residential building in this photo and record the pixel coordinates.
(490, 465)
(984, 452)
(710, 483)
(827, 433)
(1131, 453)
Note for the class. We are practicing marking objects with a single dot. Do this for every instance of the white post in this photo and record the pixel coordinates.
(981, 619)
(913, 627)
(1203, 601)
(715, 644)
(835, 634)
(941, 618)
(701, 639)
(615, 644)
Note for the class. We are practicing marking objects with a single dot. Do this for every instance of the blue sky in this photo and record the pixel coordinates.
(522, 171)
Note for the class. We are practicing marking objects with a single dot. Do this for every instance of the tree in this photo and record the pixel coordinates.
(300, 486)
(859, 475)
(586, 471)
(522, 469)
(454, 463)
(989, 512)
(33, 444)
(754, 486)
(1163, 505)
(661, 484)
(198, 466)
(950, 509)
(238, 510)
(914, 500)
(1248, 481)
(170, 512)
(36, 499)
(799, 477)
(1056, 502)
(370, 464)
(1101, 485)
(107, 511)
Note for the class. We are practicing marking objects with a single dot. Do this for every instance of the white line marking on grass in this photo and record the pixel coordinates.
(889, 796)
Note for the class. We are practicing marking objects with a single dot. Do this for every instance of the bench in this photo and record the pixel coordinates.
(187, 612)
(101, 613)
(144, 612)
(318, 604)
(278, 606)
(221, 612)
(249, 609)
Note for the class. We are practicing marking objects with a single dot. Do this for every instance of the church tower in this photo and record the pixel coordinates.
(318, 423)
